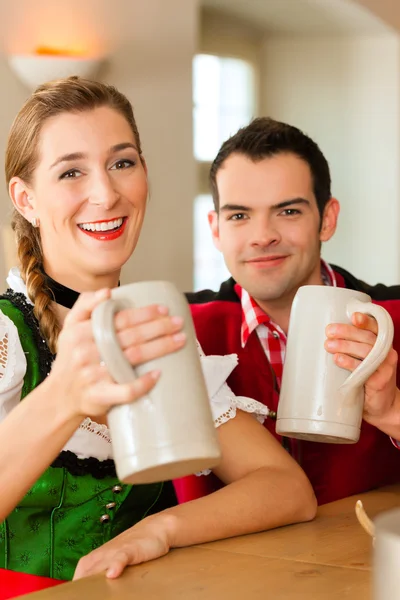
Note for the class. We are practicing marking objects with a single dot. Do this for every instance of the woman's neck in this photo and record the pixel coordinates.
(83, 282)
(66, 288)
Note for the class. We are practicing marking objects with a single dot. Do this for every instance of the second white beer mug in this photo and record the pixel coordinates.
(320, 401)
(169, 432)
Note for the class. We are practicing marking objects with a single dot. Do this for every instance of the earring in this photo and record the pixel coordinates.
(35, 222)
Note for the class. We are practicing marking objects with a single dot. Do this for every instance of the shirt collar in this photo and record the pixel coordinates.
(253, 315)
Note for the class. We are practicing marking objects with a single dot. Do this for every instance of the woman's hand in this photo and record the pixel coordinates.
(350, 344)
(144, 334)
(145, 541)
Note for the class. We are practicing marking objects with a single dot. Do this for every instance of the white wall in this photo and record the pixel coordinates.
(345, 93)
(150, 45)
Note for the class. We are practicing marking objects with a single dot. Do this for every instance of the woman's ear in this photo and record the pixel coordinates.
(22, 200)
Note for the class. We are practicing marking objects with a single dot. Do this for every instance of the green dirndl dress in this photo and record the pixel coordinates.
(77, 504)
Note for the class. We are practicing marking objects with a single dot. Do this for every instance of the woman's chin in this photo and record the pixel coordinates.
(106, 266)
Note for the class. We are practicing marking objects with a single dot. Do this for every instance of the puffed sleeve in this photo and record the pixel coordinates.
(12, 366)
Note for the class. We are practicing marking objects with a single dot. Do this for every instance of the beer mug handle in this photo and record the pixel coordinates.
(380, 349)
(106, 340)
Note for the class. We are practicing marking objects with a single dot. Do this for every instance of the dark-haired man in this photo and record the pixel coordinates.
(273, 209)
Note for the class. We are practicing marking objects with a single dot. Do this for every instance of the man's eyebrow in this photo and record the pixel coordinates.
(81, 155)
(291, 202)
(230, 207)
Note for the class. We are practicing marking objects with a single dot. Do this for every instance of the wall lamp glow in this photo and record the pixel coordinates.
(46, 65)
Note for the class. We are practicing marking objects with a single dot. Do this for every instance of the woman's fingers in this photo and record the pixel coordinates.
(84, 306)
(112, 564)
(100, 397)
(143, 353)
(150, 330)
(130, 317)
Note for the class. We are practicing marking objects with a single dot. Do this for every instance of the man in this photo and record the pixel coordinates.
(273, 210)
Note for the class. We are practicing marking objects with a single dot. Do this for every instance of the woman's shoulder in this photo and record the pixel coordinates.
(12, 356)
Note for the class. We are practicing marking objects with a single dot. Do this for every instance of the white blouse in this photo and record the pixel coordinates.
(92, 439)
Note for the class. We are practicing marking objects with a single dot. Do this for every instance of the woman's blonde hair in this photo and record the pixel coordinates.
(72, 94)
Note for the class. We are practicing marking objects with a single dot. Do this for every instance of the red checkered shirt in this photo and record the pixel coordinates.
(272, 337)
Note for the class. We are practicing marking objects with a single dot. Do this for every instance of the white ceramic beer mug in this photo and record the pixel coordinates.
(386, 564)
(169, 432)
(320, 401)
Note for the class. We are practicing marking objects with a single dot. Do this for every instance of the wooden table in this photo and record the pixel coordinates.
(329, 558)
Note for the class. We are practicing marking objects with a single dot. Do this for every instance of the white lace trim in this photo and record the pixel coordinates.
(101, 431)
(3, 356)
(12, 366)
(248, 405)
(8, 358)
(258, 410)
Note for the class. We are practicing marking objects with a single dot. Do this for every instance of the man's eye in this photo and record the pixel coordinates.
(290, 212)
(237, 217)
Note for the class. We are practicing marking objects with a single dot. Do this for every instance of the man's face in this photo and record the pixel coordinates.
(268, 227)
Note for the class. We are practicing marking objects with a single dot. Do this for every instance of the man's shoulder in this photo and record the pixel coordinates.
(378, 292)
(226, 293)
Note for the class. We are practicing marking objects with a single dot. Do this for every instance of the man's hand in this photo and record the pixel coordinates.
(350, 344)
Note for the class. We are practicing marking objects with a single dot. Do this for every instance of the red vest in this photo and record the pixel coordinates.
(335, 470)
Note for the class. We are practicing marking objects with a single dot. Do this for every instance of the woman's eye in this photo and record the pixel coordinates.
(71, 174)
(123, 164)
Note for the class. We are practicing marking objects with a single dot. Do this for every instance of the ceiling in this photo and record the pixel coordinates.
(303, 17)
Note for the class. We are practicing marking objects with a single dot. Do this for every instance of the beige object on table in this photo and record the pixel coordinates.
(327, 559)
(170, 432)
(320, 401)
(387, 556)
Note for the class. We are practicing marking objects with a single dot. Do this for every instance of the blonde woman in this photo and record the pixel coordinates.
(78, 182)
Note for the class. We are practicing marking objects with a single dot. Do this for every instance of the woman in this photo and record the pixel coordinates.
(78, 181)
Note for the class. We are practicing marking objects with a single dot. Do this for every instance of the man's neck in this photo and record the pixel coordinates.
(279, 310)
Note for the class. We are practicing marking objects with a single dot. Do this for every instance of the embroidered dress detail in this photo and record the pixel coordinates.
(21, 302)
(62, 516)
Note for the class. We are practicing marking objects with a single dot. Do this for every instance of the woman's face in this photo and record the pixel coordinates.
(89, 193)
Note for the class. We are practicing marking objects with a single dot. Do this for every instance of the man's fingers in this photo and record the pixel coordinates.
(340, 331)
(365, 322)
(346, 362)
(352, 349)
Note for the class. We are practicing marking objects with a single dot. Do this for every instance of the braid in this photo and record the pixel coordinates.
(31, 261)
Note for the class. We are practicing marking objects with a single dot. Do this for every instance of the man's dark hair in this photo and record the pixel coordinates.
(264, 138)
